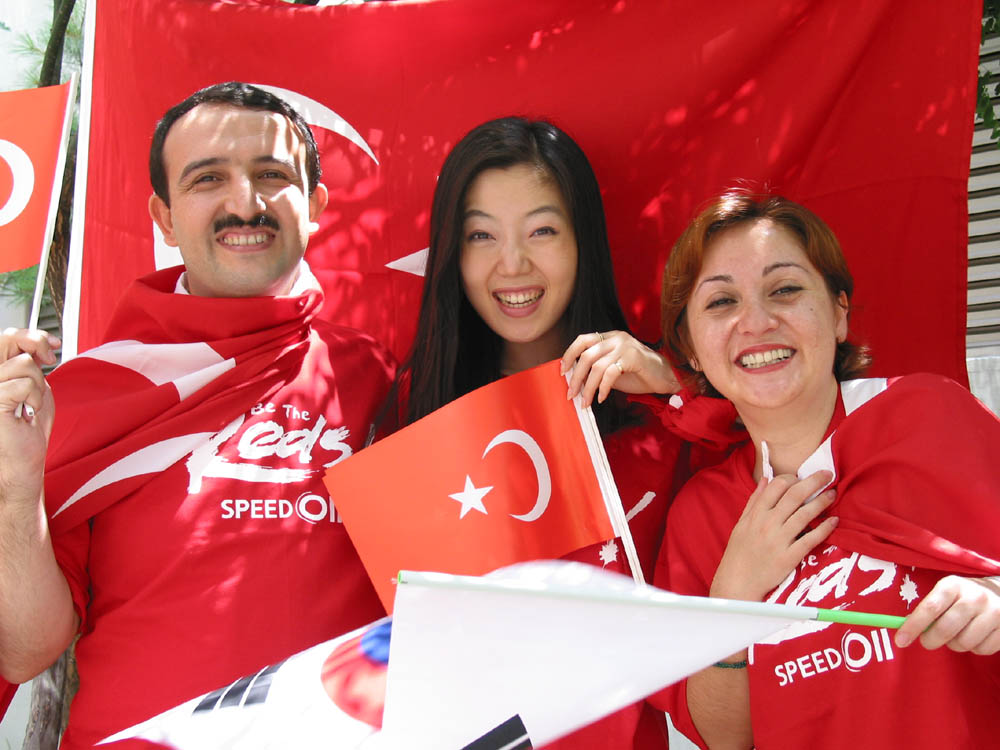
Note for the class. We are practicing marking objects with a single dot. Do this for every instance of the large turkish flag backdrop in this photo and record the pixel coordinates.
(859, 110)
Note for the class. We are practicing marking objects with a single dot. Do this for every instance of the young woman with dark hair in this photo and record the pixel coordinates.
(456, 349)
(519, 269)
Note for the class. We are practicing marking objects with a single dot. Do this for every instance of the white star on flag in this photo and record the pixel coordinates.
(471, 497)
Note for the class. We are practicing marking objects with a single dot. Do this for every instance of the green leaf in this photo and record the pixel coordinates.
(19, 285)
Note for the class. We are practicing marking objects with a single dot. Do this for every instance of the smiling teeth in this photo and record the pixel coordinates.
(244, 239)
(518, 299)
(759, 359)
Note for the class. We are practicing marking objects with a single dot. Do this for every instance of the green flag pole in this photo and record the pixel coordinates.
(848, 617)
(651, 595)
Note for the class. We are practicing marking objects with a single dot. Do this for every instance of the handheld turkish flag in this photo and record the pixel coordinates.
(510, 472)
(34, 125)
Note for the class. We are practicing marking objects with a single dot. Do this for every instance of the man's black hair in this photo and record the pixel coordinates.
(234, 94)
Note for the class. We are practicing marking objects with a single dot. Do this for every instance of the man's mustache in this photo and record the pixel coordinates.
(232, 221)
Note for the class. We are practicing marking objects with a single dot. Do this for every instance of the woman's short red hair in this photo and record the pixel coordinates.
(731, 209)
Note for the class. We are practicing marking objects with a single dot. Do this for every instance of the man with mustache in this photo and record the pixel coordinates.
(184, 531)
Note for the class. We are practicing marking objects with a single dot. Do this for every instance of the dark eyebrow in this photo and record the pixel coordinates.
(720, 277)
(214, 161)
(548, 208)
(195, 165)
(540, 210)
(767, 269)
(781, 264)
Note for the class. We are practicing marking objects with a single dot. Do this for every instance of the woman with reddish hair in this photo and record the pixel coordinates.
(876, 495)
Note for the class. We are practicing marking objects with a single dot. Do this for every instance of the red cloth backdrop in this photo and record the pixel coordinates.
(861, 111)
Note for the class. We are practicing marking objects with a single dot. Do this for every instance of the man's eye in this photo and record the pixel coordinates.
(205, 178)
(274, 175)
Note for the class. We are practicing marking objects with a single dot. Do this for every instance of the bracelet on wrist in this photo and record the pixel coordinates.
(741, 664)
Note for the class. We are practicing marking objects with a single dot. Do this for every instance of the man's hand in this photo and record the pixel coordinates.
(26, 410)
(37, 619)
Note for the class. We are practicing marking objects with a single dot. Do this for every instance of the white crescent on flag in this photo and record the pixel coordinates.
(324, 117)
(24, 181)
(527, 443)
(319, 114)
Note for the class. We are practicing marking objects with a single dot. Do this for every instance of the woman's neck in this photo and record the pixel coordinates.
(517, 356)
(792, 433)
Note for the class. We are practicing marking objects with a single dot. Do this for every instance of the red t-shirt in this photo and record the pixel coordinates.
(825, 685)
(230, 560)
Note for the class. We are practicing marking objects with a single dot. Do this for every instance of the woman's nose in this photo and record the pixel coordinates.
(513, 259)
(756, 317)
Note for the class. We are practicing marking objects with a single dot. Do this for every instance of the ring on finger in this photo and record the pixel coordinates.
(600, 335)
(621, 370)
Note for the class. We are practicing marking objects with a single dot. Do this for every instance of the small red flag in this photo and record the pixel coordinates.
(501, 475)
(31, 134)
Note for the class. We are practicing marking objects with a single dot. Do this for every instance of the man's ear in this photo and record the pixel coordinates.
(317, 202)
(160, 212)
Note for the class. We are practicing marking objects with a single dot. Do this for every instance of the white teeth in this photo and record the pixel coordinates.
(518, 299)
(244, 239)
(759, 359)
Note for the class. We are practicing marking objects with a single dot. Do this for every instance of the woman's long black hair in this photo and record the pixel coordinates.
(454, 351)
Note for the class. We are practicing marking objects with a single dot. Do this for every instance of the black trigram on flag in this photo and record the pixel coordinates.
(246, 691)
(511, 735)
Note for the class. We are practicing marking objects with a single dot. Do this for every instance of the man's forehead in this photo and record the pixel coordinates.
(224, 131)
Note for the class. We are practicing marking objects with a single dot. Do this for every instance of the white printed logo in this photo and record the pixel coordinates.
(310, 507)
(857, 650)
(263, 440)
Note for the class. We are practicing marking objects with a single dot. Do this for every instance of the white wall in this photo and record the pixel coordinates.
(13, 313)
(20, 16)
(983, 364)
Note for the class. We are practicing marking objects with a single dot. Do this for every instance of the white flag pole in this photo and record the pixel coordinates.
(50, 221)
(606, 480)
(74, 273)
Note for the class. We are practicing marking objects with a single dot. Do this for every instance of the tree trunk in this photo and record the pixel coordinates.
(55, 276)
(51, 693)
(52, 63)
(50, 75)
